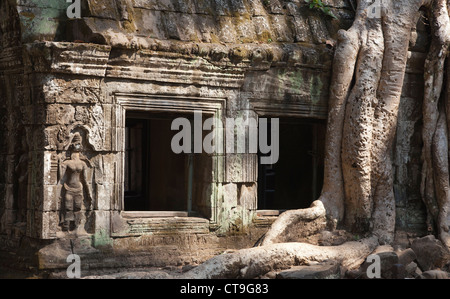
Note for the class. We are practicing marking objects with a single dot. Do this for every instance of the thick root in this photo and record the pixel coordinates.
(256, 261)
(289, 218)
(436, 123)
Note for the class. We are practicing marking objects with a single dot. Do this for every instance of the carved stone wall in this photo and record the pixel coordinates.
(14, 144)
(228, 58)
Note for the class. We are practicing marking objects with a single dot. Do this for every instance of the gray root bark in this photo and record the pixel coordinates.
(290, 218)
(371, 117)
(257, 261)
(362, 122)
(436, 121)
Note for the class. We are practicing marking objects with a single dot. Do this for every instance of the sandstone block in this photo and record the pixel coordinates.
(431, 253)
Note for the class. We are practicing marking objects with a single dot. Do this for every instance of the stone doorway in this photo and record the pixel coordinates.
(295, 181)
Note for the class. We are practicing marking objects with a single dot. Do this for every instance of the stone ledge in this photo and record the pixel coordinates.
(153, 214)
(159, 226)
(65, 57)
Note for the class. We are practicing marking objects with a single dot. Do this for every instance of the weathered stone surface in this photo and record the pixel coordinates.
(389, 264)
(406, 256)
(410, 269)
(388, 260)
(54, 255)
(434, 274)
(320, 271)
(398, 271)
(430, 252)
(235, 21)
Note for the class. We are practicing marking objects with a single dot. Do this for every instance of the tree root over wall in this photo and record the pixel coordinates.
(367, 81)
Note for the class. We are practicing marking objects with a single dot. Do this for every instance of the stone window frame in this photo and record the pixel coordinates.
(123, 102)
(278, 110)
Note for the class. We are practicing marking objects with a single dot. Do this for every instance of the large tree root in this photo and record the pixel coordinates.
(256, 261)
(435, 186)
(290, 218)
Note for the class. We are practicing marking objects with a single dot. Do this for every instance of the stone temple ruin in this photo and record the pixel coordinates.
(86, 106)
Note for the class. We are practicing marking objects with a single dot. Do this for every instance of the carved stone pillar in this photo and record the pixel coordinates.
(70, 136)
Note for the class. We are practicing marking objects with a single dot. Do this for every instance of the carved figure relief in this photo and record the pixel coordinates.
(66, 120)
(76, 196)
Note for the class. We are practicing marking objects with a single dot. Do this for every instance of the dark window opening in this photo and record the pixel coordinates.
(156, 179)
(295, 181)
